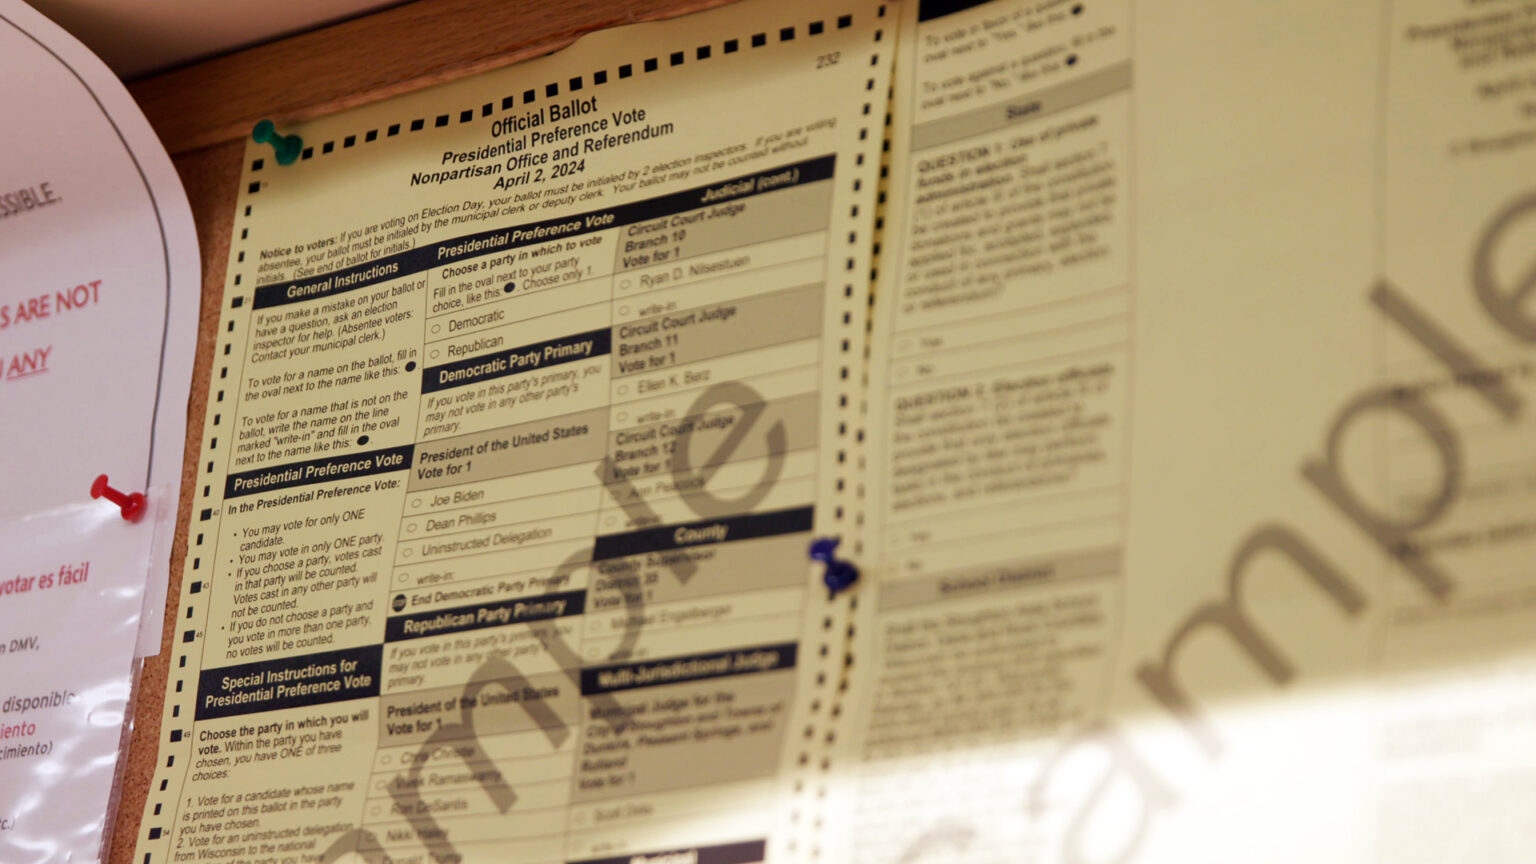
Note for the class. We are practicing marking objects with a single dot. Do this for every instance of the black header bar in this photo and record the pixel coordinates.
(681, 670)
(445, 252)
(327, 470)
(927, 10)
(292, 682)
(478, 616)
(703, 533)
(511, 361)
(748, 852)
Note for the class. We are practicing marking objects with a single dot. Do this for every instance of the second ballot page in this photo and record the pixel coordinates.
(1201, 504)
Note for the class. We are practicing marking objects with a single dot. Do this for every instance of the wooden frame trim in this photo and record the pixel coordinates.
(394, 51)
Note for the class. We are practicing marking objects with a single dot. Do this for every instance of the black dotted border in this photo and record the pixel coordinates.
(578, 84)
(508, 103)
(835, 654)
(206, 506)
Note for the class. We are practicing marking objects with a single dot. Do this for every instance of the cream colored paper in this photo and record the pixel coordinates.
(1201, 490)
(528, 399)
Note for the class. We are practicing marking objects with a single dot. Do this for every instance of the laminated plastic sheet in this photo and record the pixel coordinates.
(99, 277)
(71, 585)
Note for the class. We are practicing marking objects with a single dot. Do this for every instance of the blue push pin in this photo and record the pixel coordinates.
(287, 146)
(840, 574)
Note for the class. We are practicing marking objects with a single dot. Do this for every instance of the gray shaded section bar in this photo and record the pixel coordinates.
(770, 216)
(719, 329)
(411, 717)
(998, 578)
(1045, 102)
(644, 450)
(553, 442)
(679, 736)
(725, 569)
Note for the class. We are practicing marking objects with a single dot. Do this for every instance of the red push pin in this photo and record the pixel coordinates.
(132, 503)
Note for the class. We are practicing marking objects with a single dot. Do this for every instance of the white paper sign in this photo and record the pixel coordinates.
(99, 292)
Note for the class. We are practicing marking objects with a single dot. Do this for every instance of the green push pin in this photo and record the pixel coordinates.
(287, 146)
